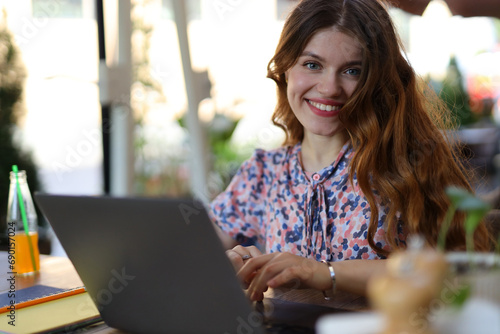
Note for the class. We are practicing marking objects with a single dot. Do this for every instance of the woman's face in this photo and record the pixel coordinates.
(322, 80)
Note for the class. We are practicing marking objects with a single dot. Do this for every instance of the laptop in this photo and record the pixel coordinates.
(157, 266)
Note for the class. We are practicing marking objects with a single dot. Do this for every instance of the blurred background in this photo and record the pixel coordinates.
(168, 97)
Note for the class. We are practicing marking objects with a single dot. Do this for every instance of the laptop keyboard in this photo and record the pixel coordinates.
(282, 317)
(285, 329)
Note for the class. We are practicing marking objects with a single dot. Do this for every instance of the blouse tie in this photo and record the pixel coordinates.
(316, 241)
(315, 229)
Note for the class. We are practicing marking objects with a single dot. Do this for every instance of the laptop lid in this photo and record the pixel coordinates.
(151, 265)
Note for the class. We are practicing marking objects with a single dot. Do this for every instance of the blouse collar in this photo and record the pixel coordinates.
(322, 175)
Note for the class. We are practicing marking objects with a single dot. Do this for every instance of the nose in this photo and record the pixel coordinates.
(329, 85)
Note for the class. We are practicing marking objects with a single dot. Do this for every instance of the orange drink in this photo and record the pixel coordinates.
(23, 261)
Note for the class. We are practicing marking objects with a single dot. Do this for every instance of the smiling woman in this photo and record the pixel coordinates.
(319, 84)
(363, 166)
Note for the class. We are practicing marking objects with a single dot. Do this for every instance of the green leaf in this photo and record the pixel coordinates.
(445, 226)
(457, 195)
(473, 204)
(475, 209)
(473, 219)
(461, 296)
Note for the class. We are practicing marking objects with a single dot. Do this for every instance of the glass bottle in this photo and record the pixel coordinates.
(24, 256)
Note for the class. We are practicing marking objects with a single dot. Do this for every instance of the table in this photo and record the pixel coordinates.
(59, 272)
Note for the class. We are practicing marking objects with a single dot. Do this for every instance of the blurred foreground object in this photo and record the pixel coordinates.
(403, 294)
(478, 273)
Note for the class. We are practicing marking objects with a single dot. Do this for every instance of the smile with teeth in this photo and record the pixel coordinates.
(324, 107)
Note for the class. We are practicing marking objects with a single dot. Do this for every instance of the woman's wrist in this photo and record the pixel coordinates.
(330, 292)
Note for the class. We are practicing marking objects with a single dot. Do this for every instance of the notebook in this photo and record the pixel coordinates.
(68, 314)
(34, 295)
(151, 265)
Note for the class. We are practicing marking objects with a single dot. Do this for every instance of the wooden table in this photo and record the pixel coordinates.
(59, 272)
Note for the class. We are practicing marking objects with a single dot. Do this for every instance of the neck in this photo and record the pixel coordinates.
(319, 152)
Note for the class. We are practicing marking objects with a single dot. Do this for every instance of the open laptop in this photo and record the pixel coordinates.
(154, 265)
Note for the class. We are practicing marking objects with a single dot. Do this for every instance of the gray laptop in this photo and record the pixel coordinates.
(151, 265)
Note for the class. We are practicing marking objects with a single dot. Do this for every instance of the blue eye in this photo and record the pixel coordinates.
(353, 71)
(312, 66)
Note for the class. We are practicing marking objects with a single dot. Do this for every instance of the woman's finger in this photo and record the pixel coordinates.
(266, 267)
(285, 269)
(241, 250)
(239, 255)
(235, 258)
(254, 251)
(252, 265)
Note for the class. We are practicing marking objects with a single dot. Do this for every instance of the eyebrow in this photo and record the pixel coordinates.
(313, 55)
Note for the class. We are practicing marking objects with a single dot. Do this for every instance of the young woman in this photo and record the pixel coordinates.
(364, 164)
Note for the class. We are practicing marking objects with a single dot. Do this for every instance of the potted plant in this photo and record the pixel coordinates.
(477, 274)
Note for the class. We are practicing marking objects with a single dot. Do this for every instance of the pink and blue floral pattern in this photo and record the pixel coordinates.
(273, 204)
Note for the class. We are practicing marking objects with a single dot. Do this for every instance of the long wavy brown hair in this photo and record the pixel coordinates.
(402, 158)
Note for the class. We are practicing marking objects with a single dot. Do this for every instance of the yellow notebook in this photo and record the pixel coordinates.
(63, 314)
(32, 295)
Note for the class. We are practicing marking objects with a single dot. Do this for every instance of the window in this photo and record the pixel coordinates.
(193, 8)
(57, 9)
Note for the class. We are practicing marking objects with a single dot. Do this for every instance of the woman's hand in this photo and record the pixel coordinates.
(239, 255)
(283, 269)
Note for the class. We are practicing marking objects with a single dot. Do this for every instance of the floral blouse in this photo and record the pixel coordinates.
(274, 204)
